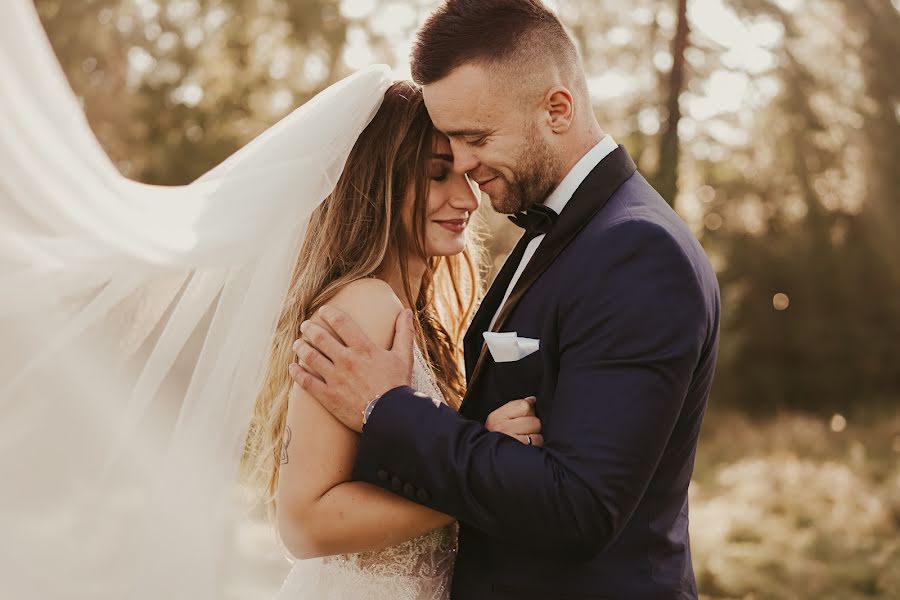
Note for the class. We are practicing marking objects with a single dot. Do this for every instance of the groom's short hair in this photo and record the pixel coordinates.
(496, 33)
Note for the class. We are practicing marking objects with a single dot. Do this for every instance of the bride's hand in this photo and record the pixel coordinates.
(517, 419)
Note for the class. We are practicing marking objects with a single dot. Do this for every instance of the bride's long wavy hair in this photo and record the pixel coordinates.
(356, 232)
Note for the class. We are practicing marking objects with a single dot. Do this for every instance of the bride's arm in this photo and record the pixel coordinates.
(320, 511)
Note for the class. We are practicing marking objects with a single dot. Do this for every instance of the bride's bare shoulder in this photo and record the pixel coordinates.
(368, 296)
(374, 306)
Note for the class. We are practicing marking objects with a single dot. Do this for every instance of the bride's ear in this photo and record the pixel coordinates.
(560, 106)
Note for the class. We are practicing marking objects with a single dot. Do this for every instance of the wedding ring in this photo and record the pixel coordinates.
(529, 439)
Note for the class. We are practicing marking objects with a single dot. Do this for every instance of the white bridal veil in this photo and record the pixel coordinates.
(134, 326)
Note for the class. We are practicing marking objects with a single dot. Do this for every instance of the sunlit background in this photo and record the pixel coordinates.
(774, 128)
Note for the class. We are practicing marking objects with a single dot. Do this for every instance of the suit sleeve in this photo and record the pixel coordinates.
(631, 330)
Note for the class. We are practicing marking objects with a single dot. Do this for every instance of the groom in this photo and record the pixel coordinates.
(625, 308)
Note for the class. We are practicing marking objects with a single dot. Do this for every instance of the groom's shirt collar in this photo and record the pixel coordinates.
(566, 189)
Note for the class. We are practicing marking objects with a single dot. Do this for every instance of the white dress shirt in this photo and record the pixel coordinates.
(558, 200)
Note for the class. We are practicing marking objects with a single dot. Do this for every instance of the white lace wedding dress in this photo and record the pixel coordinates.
(419, 569)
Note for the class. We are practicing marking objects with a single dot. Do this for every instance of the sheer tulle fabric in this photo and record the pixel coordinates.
(135, 324)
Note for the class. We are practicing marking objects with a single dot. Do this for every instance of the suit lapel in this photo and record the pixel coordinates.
(480, 322)
(473, 340)
(590, 197)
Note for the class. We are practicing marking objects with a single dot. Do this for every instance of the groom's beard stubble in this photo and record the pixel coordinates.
(536, 176)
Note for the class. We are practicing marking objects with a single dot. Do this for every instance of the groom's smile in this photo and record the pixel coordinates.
(483, 182)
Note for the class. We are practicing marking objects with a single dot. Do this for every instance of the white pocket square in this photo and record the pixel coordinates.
(509, 347)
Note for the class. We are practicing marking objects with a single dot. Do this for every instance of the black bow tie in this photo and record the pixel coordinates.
(537, 220)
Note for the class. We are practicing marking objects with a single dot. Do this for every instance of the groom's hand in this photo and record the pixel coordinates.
(517, 419)
(344, 376)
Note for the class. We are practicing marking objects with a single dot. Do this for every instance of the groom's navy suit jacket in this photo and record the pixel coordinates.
(626, 308)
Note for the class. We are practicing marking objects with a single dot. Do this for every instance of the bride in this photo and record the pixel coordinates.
(138, 325)
(391, 236)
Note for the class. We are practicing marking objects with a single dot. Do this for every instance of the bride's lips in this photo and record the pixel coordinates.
(454, 225)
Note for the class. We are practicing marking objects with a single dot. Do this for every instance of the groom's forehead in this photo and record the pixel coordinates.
(457, 122)
(467, 84)
(462, 103)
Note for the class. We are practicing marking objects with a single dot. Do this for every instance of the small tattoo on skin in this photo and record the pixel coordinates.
(284, 447)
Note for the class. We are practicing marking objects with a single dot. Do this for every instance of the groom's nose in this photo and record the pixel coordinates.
(464, 161)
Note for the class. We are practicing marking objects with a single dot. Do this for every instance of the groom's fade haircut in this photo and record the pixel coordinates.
(513, 38)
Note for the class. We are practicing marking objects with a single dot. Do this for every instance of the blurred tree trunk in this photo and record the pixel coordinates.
(879, 49)
(878, 52)
(666, 179)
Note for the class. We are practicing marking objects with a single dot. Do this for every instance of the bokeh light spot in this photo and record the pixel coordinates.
(781, 301)
(357, 9)
(713, 221)
(838, 423)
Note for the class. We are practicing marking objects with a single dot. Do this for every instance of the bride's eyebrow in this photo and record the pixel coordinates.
(446, 157)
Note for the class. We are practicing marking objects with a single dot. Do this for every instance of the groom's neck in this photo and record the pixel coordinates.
(579, 146)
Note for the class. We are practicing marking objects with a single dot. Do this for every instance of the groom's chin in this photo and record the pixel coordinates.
(499, 206)
(505, 204)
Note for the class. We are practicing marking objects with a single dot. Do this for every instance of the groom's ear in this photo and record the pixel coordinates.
(560, 106)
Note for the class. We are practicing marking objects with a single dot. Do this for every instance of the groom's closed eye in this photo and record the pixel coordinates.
(472, 137)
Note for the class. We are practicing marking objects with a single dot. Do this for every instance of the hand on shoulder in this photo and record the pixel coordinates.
(349, 353)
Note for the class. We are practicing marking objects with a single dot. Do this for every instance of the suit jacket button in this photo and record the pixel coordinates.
(423, 496)
(382, 475)
(409, 490)
(396, 484)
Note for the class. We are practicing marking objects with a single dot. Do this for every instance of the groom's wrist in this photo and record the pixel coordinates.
(367, 411)
(370, 407)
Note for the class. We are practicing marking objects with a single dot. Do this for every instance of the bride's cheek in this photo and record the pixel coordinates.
(433, 238)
